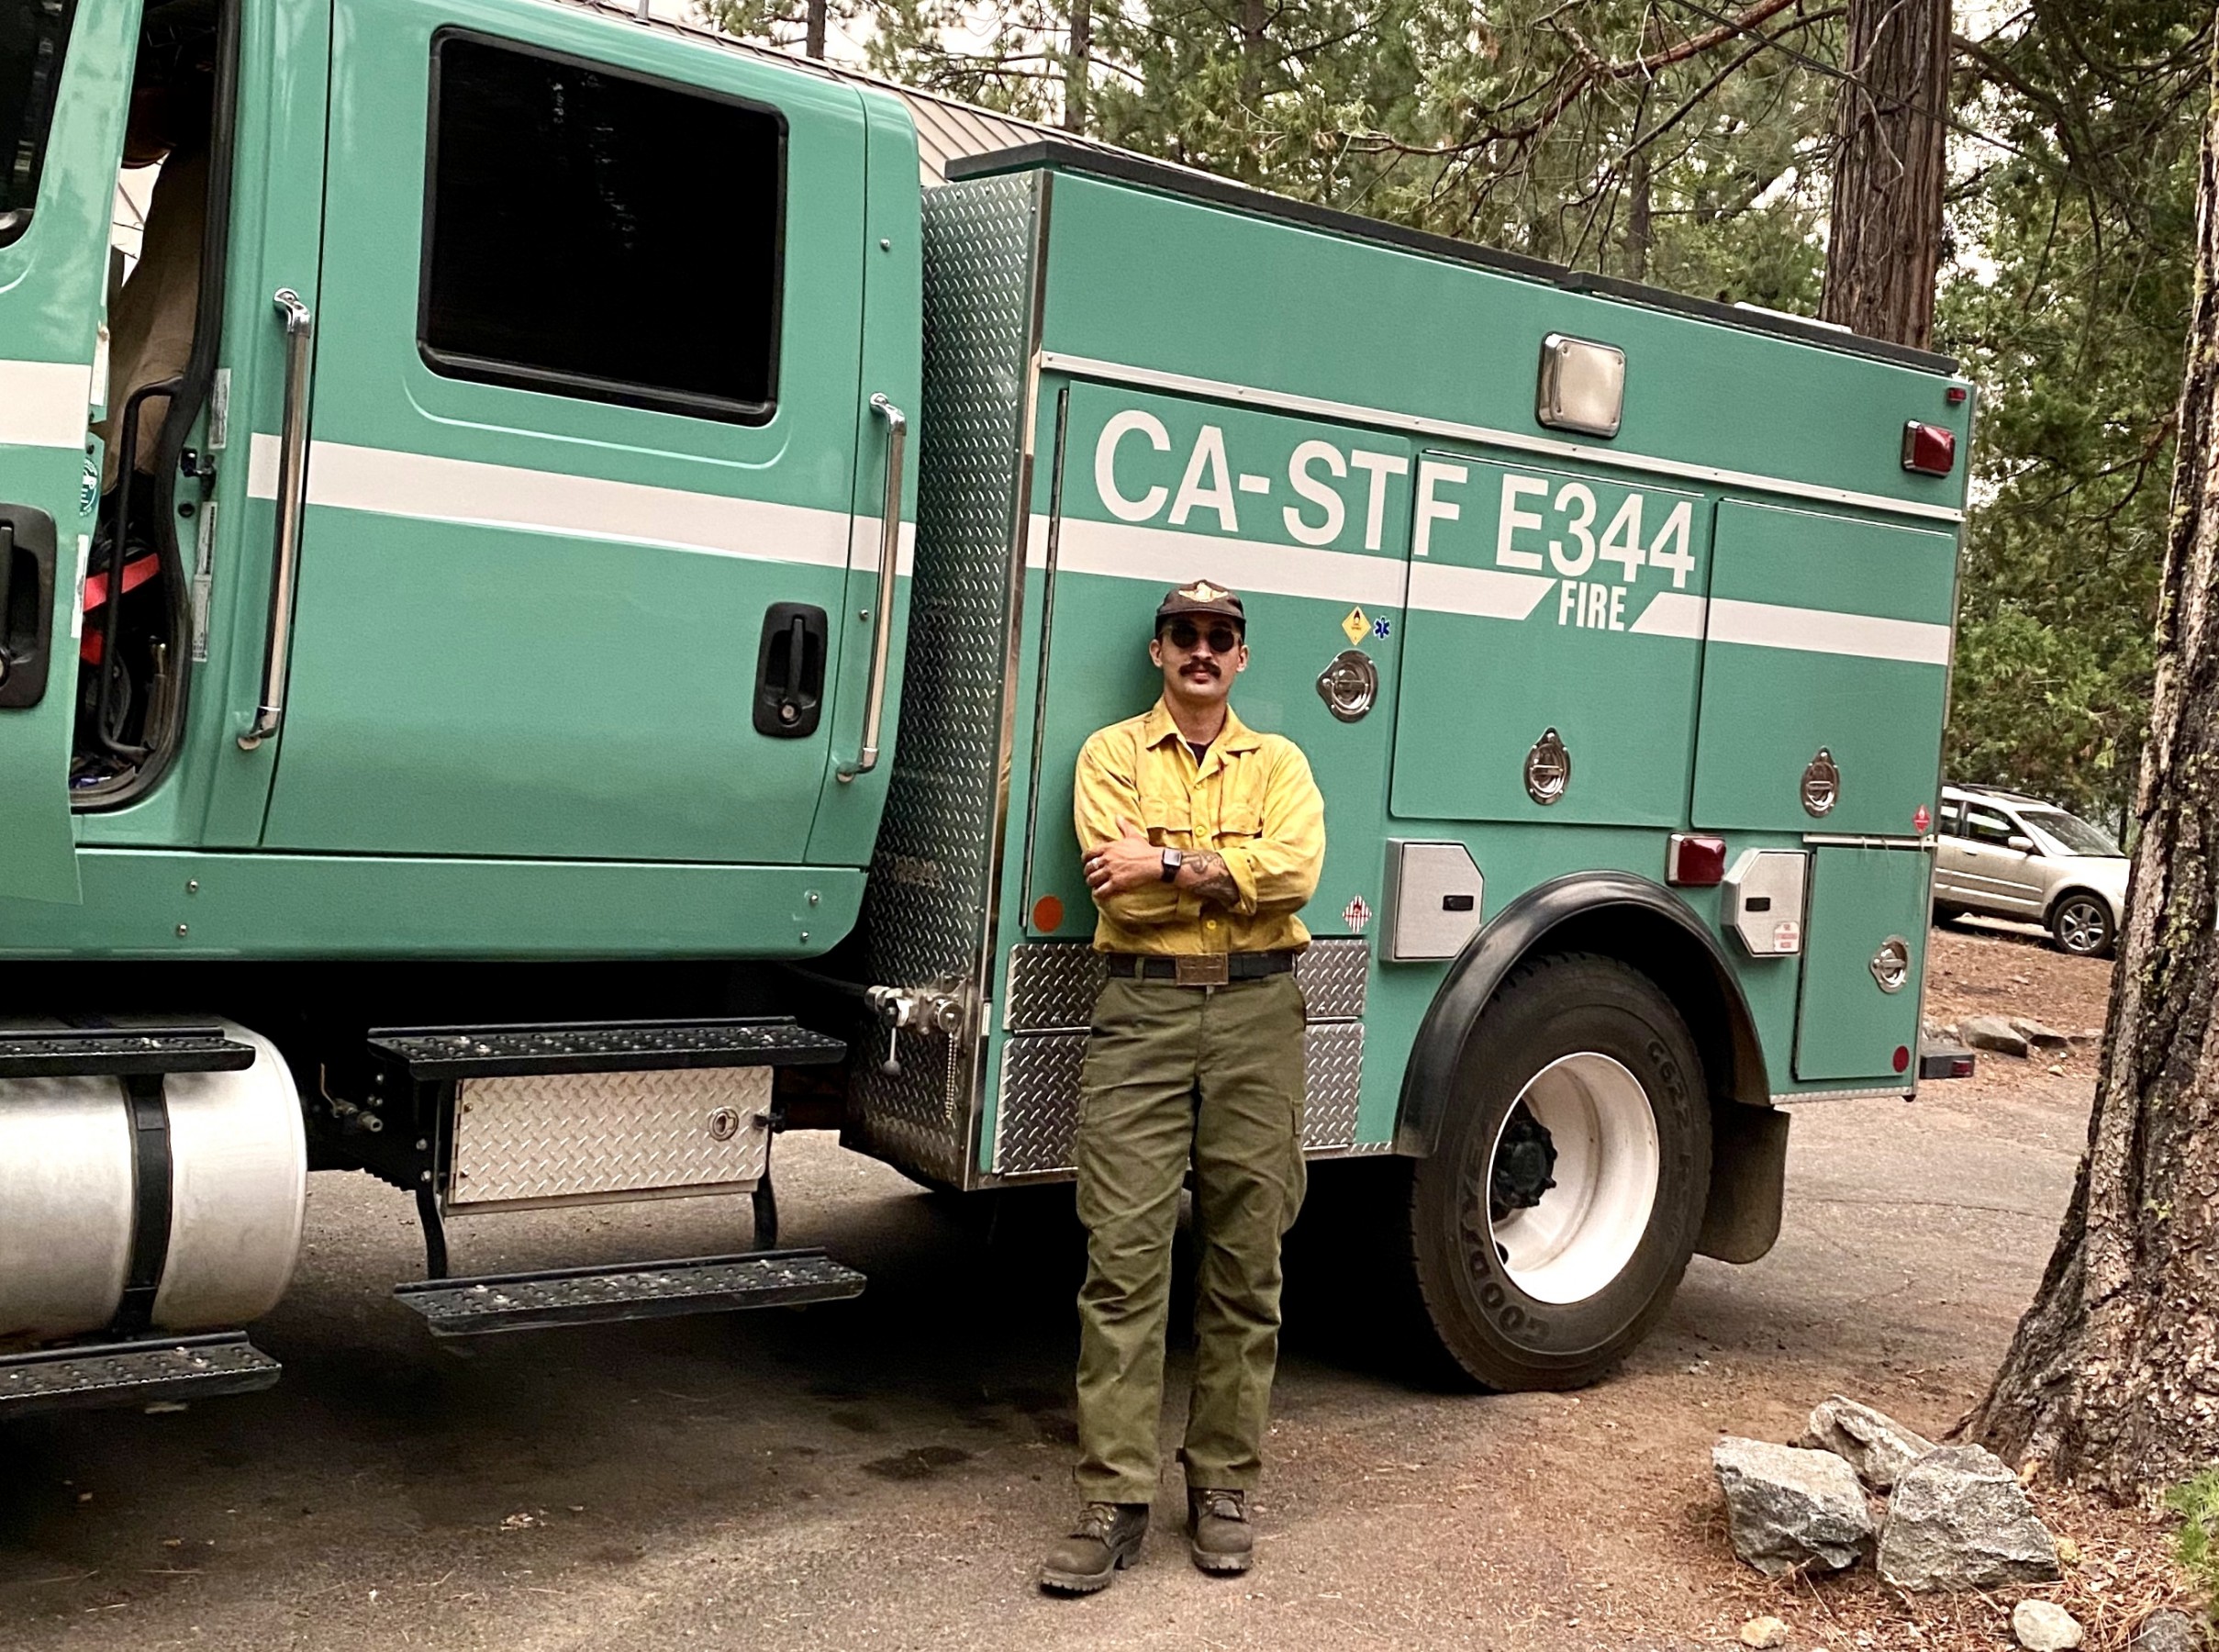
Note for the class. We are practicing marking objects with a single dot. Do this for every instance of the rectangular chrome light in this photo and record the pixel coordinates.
(1583, 386)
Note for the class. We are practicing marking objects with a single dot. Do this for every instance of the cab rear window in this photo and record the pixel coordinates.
(597, 235)
(33, 36)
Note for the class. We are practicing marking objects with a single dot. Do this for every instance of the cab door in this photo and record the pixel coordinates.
(586, 414)
(66, 69)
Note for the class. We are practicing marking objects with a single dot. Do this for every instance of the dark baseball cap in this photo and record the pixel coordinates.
(1199, 597)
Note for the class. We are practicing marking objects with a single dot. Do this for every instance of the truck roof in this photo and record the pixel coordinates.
(957, 140)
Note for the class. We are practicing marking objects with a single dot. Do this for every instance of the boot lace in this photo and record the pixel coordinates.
(1221, 1505)
(1097, 1521)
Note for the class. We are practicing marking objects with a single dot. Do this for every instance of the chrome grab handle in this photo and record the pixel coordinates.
(890, 558)
(291, 499)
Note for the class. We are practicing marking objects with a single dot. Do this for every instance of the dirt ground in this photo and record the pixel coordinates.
(883, 1473)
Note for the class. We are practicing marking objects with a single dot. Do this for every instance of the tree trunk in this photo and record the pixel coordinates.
(2113, 1379)
(812, 42)
(1256, 24)
(1884, 242)
(1075, 70)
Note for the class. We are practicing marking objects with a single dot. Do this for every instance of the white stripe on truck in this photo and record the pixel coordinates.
(420, 485)
(427, 487)
(45, 404)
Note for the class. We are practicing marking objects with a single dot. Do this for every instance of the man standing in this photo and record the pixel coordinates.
(1201, 840)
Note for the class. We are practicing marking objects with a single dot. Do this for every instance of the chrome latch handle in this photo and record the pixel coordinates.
(292, 500)
(890, 558)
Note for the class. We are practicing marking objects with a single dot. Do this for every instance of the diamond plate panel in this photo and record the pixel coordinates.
(928, 912)
(562, 1138)
(1053, 986)
(1332, 973)
(1333, 1078)
(1038, 1120)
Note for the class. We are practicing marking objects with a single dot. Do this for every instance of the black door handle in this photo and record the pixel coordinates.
(789, 671)
(27, 605)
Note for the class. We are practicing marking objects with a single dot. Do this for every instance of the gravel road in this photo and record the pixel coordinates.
(881, 1473)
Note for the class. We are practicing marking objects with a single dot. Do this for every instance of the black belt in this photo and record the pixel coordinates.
(1201, 969)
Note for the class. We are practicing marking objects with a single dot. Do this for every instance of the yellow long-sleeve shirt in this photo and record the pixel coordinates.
(1251, 800)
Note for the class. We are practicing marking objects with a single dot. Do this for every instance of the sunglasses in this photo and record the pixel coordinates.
(1185, 633)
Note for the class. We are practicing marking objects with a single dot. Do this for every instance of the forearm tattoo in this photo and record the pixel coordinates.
(1207, 876)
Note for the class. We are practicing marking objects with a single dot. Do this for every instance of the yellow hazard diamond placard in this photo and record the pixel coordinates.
(1355, 625)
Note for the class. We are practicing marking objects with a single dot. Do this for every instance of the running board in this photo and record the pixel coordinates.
(118, 1052)
(587, 1296)
(132, 1373)
(436, 1055)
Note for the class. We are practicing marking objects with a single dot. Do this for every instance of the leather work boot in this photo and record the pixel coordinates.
(1108, 1535)
(1217, 1525)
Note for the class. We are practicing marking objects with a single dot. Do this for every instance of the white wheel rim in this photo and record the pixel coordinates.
(1585, 1229)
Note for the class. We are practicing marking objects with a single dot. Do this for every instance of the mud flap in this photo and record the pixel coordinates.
(1748, 1181)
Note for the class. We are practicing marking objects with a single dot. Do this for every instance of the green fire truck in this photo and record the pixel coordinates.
(574, 663)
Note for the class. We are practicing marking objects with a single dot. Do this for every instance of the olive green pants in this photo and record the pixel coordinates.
(1179, 1075)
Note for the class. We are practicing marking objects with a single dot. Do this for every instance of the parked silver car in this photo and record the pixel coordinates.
(2012, 856)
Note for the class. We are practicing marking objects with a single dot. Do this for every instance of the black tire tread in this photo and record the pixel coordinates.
(1529, 973)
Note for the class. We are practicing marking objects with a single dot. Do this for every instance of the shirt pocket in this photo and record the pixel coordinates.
(1239, 822)
(1167, 820)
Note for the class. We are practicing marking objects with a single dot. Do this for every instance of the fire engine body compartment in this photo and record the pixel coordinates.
(1338, 420)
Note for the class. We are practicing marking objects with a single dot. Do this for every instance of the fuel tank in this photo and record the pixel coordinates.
(69, 1192)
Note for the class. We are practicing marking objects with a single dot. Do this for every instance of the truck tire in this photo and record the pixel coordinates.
(2080, 924)
(1551, 1223)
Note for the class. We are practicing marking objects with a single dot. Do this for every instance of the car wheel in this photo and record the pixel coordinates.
(2080, 924)
(1551, 1223)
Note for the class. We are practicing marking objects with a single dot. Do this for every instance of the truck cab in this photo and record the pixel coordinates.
(472, 457)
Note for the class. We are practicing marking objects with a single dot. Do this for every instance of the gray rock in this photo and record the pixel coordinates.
(2169, 1630)
(2041, 1627)
(2036, 1033)
(1960, 1519)
(1875, 1444)
(1991, 1032)
(1788, 1508)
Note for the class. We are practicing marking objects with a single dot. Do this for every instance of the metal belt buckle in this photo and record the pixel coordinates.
(1203, 969)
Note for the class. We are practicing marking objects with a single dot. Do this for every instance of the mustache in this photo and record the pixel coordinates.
(1209, 666)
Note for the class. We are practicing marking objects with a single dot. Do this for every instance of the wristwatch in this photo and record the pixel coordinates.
(1173, 860)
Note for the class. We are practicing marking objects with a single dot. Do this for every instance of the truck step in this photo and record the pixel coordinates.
(584, 1296)
(132, 1373)
(118, 1052)
(431, 1055)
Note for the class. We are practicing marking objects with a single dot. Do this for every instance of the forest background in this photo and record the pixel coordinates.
(1694, 144)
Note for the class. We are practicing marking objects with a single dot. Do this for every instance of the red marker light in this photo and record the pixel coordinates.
(1928, 448)
(1902, 1058)
(1957, 395)
(1693, 862)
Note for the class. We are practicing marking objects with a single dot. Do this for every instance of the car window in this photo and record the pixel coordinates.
(32, 36)
(1952, 818)
(1984, 827)
(2069, 833)
(567, 202)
